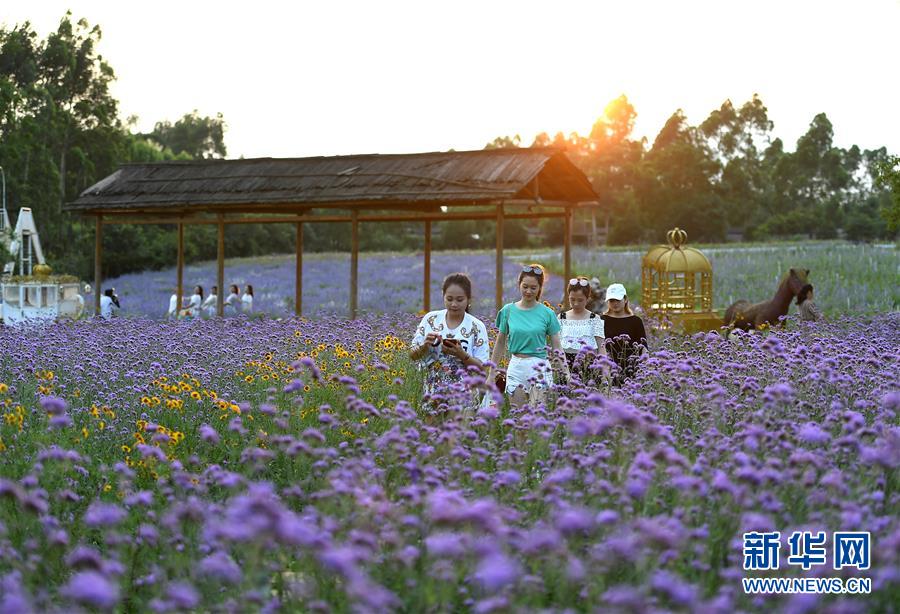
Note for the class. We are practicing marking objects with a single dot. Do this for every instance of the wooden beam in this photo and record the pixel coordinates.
(172, 212)
(298, 273)
(480, 215)
(98, 263)
(354, 264)
(179, 283)
(426, 285)
(567, 246)
(498, 272)
(220, 268)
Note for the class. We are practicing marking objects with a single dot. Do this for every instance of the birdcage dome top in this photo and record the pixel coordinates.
(676, 257)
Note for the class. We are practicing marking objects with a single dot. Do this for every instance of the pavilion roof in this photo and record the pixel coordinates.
(388, 181)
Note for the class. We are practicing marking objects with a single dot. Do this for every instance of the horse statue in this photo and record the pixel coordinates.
(746, 316)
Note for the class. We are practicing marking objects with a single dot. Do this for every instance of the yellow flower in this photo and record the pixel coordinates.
(195, 395)
(126, 449)
(107, 487)
(3, 388)
(84, 432)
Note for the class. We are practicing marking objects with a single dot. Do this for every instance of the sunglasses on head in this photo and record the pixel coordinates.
(579, 282)
(533, 269)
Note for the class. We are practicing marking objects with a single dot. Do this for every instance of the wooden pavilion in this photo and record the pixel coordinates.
(491, 184)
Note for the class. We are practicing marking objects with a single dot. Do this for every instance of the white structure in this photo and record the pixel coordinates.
(33, 295)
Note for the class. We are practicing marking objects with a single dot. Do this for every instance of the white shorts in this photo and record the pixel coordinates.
(528, 372)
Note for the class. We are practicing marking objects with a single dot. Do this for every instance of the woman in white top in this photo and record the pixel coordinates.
(450, 340)
(173, 305)
(192, 310)
(247, 300)
(108, 302)
(209, 304)
(233, 300)
(581, 331)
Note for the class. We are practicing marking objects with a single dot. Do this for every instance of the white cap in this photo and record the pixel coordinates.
(616, 291)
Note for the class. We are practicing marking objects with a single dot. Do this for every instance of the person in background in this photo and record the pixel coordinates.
(233, 300)
(525, 327)
(450, 340)
(192, 310)
(625, 335)
(108, 302)
(806, 305)
(173, 305)
(581, 330)
(247, 300)
(209, 304)
(79, 301)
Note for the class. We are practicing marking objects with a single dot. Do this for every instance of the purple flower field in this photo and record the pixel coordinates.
(387, 283)
(848, 278)
(243, 465)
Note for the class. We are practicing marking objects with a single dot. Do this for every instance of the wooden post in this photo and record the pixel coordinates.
(427, 283)
(220, 273)
(179, 289)
(354, 262)
(567, 246)
(498, 284)
(606, 242)
(98, 263)
(298, 273)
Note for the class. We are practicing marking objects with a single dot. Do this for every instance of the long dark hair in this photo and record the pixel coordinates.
(200, 288)
(541, 278)
(249, 289)
(804, 293)
(462, 280)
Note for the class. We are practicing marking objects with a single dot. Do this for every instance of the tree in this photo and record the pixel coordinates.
(888, 175)
(504, 142)
(59, 126)
(864, 222)
(735, 137)
(195, 136)
(677, 185)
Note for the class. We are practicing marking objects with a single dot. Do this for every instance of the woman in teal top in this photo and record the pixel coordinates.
(525, 327)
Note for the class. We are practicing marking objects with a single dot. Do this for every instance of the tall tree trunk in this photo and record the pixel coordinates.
(60, 226)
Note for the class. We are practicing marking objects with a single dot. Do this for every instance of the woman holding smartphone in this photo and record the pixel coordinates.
(449, 340)
(525, 326)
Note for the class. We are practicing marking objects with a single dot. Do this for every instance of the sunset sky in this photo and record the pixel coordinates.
(324, 78)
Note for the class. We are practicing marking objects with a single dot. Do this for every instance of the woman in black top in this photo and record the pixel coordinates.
(623, 331)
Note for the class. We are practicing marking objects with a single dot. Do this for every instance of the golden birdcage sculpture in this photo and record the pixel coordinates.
(677, 284)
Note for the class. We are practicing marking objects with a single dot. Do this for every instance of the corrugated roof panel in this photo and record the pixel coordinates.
(486, 175)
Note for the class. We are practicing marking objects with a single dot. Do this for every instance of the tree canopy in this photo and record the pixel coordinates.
(60, 132)
(730, 174)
